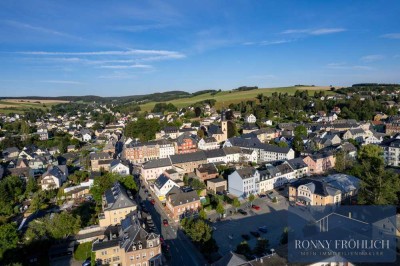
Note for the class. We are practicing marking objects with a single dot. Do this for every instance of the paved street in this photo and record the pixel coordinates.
(182, 250)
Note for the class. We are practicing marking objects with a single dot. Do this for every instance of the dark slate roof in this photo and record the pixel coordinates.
(207, 168)
(393, 142)
(125, 236)
(210, 140)
(214, 129)
(100, 156)
(356, 131)
(231, 259)
(250, 126)
(297, 163)
(187, 129)
(161, 181)
(317, 186)
(157, 163)
(216, 180)
(56, 171)
(188, 157)
(116, 197)
(232, 150)
(246, 172)
(181, 138)
(177, 197)
(215, 153)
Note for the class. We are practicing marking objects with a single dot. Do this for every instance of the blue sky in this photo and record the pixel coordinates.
(114, 48)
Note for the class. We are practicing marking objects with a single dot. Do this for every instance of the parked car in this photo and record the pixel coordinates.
(146, 191)
(241, 211)
(263, 229)
(246, 237)
(165, 222)
(255, 233)
(271, 195)
(220, 193)
(87, 262)
(261, 196)
(153, 201)
(255, 207)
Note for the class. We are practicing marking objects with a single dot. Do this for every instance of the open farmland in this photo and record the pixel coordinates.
(20, 105)
(224, 98)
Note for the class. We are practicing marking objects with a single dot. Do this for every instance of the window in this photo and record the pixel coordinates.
(116, 258)
(144, 255)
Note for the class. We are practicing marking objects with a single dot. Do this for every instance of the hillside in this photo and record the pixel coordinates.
(224, 98)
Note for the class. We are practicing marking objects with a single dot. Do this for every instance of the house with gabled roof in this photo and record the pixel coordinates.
(117, 203)
(163, 185)
(128, 244)
(243, 182)
(54, 177)
(182, 203)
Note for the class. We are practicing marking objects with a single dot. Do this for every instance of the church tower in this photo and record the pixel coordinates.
(224, 126)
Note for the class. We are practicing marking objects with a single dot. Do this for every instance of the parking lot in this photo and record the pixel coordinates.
(228, 232)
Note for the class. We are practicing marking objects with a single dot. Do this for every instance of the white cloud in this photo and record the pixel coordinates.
(17, 24)
(321, 31)
(117, 75)
(119, 53)
(262, 43)
(126, 66)
(372, 58)
(345, 66)
(62, 82)
(391, 36)
(138, 28)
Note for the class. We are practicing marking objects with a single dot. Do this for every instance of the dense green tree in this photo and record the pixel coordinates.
(236, 203)
(220, 209)
(31, 186)
(284, 236)
(203, 214)
(261, 246)
(197, 229)
(243, 248)
(300, 131)
(251, 198)
(63, 225)
(283, 144)
(298, 144)
(232, 129)
(378, 186)
(8, 238)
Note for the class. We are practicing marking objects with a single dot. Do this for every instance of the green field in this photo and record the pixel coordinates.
(224, 98)
(19, 107)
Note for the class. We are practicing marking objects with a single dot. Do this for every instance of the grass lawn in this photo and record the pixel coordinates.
(224, 98)
(83, 251)
(20, 106)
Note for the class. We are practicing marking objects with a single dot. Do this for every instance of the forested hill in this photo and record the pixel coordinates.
(161, 96)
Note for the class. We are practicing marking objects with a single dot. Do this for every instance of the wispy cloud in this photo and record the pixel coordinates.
(391, 36)
(118, 75)
(138, 28)
(126, 66)
(321, 31)
(345, 66)
(372, 58)
(71, 82)
(262, 43)
(26, 26)
(120, 53)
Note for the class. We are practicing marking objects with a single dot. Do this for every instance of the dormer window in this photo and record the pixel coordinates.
(140, 246)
